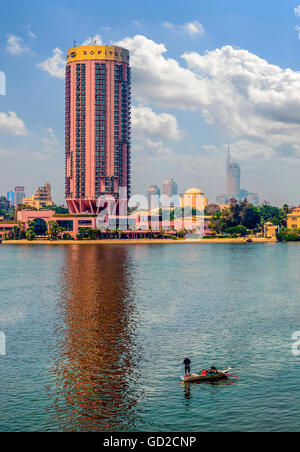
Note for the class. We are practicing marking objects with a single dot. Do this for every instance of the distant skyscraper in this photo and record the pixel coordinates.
(16, 197)
(233, 178)
(11, 198)
(19, 195)
(153, 197)
(98, 100)
(222, 199)
(253, 199)
(244, 194)
(170, 190)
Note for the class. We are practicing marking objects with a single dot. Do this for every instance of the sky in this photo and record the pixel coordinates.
(204, 74)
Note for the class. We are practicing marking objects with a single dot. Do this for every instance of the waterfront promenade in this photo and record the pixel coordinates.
(134, 241)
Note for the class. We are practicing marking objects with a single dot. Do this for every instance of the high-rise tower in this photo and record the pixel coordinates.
(98, 125)
(233, 178)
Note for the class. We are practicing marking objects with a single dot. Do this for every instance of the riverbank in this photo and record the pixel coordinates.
(132, 241)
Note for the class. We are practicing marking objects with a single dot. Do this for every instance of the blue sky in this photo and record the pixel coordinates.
(187, 104)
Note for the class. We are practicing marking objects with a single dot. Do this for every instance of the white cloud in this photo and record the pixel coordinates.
(10, 124)
(240, 93)
(297, 11)
(15, 45)
(168, 25)
(50, 142)
(192, 28)
(297, 28)
(93, 40)
(55, 66)
(247, 96)
(40, 156)
(150, 151)
(148, 123)
(188, 169)
(29, 32)
(158, 80)
(137, 23)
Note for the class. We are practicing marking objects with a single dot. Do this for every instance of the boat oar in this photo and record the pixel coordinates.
(234, 376)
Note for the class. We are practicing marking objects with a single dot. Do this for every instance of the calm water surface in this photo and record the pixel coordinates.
(96, 336)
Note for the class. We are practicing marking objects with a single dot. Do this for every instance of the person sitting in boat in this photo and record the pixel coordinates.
(213, 370)
(187, 365)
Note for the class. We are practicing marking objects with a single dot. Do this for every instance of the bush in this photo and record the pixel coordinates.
(237, 231)
(289, 235)
(67, 236)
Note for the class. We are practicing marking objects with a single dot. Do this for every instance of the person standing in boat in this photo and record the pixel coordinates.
(187, 364)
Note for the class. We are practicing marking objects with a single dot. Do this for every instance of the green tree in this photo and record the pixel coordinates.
(54, 230)
(212, 209)
(288, 235)
(87, 234)
(181, 234)
(239, 230)
(61, 210)
(30, 232)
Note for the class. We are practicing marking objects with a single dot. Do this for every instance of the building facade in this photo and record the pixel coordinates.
(41, 198)
(222, 199)
(153, 196)
(293, 219)
(4, 203)
(170, 193)
(194, 199)
(169, 188)
(234, 181)
(253, 199)
(16, 197)
(98, 125)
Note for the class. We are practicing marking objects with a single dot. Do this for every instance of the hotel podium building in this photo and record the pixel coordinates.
(98, 125)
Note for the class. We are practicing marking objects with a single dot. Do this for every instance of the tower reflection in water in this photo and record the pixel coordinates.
(95, 369)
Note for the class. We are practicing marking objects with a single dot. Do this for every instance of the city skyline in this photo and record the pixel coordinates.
(180, 131)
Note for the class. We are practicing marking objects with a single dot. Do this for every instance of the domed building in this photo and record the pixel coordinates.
(195, 199)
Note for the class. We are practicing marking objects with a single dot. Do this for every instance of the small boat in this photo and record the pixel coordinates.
(220, 375)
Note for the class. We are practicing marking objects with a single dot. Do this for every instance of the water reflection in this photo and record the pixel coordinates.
(95, 369)
(189, 387)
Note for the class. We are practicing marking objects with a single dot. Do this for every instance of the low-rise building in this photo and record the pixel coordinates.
(270, 230)
(4, 203)
(72, 223)
(194, 198)
(293, 219)
(41, 198)
(7, 227)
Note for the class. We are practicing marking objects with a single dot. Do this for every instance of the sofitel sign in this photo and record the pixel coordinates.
(98, 52)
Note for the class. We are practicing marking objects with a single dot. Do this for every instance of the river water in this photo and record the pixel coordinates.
(96, 336)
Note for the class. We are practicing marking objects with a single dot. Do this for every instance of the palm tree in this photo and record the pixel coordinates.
(30, 232)
(54, 230)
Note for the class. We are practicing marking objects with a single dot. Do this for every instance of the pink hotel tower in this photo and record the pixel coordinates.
(98, 125)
